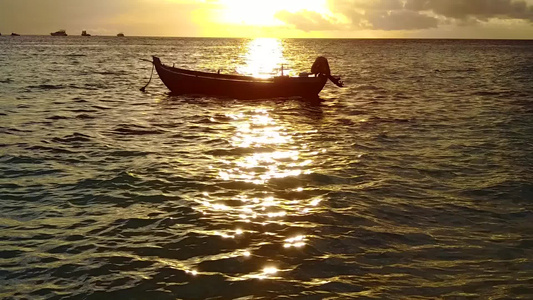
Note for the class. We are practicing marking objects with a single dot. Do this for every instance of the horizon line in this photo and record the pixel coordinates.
(296, 38)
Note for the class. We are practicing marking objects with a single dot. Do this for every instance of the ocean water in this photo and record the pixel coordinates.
(414, 181)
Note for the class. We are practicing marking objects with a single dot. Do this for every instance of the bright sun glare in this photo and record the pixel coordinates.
(262, 13)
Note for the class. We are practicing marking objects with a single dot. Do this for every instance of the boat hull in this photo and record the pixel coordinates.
(180, 81)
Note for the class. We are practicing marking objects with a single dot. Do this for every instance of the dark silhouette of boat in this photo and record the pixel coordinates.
(84, 33)
(61, 32)
(15, 34)
(120, 34)
(182, 81)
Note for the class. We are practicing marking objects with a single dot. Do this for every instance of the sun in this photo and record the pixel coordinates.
(262, 13)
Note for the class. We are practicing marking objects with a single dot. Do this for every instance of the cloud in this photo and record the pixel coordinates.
(306, 20)
(400, 20)
(482, 10)
(390, 15)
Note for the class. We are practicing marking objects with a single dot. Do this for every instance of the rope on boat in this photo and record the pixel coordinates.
(143, 89)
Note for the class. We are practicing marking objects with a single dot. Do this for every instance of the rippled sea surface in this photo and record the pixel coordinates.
(412, 182)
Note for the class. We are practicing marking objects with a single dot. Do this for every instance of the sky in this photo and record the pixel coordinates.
(500, 19)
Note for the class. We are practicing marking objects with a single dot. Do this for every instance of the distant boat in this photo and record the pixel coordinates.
(84, 33)
(120, 34)
(15, 34)
(182, 81)
(61, 32)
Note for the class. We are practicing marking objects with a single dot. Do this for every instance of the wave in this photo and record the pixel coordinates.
(72, 138)
(517, 191)
(132, 129)
(47, 87)
(57, 117)
(239, 151)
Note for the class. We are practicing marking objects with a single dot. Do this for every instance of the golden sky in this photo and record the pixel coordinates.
(274, 18)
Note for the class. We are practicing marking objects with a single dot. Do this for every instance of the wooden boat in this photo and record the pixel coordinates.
(120, 34)
(61, 32)
(15, 34)
(182, 81)
(84, 33)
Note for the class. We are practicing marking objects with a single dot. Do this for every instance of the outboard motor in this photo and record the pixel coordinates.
(321, 67)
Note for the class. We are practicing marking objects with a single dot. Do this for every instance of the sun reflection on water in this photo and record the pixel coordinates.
(268, 272)
(264, 150)
(260, 131)
(263, 57)
(297, 242)
(259, 198)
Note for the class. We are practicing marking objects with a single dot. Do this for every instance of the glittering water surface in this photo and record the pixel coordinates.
(413, 181)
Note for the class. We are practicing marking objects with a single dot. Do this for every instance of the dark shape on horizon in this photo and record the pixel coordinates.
(182, 81)
(84, 33)
(120, 34)
(15, 34)
(60, 32)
